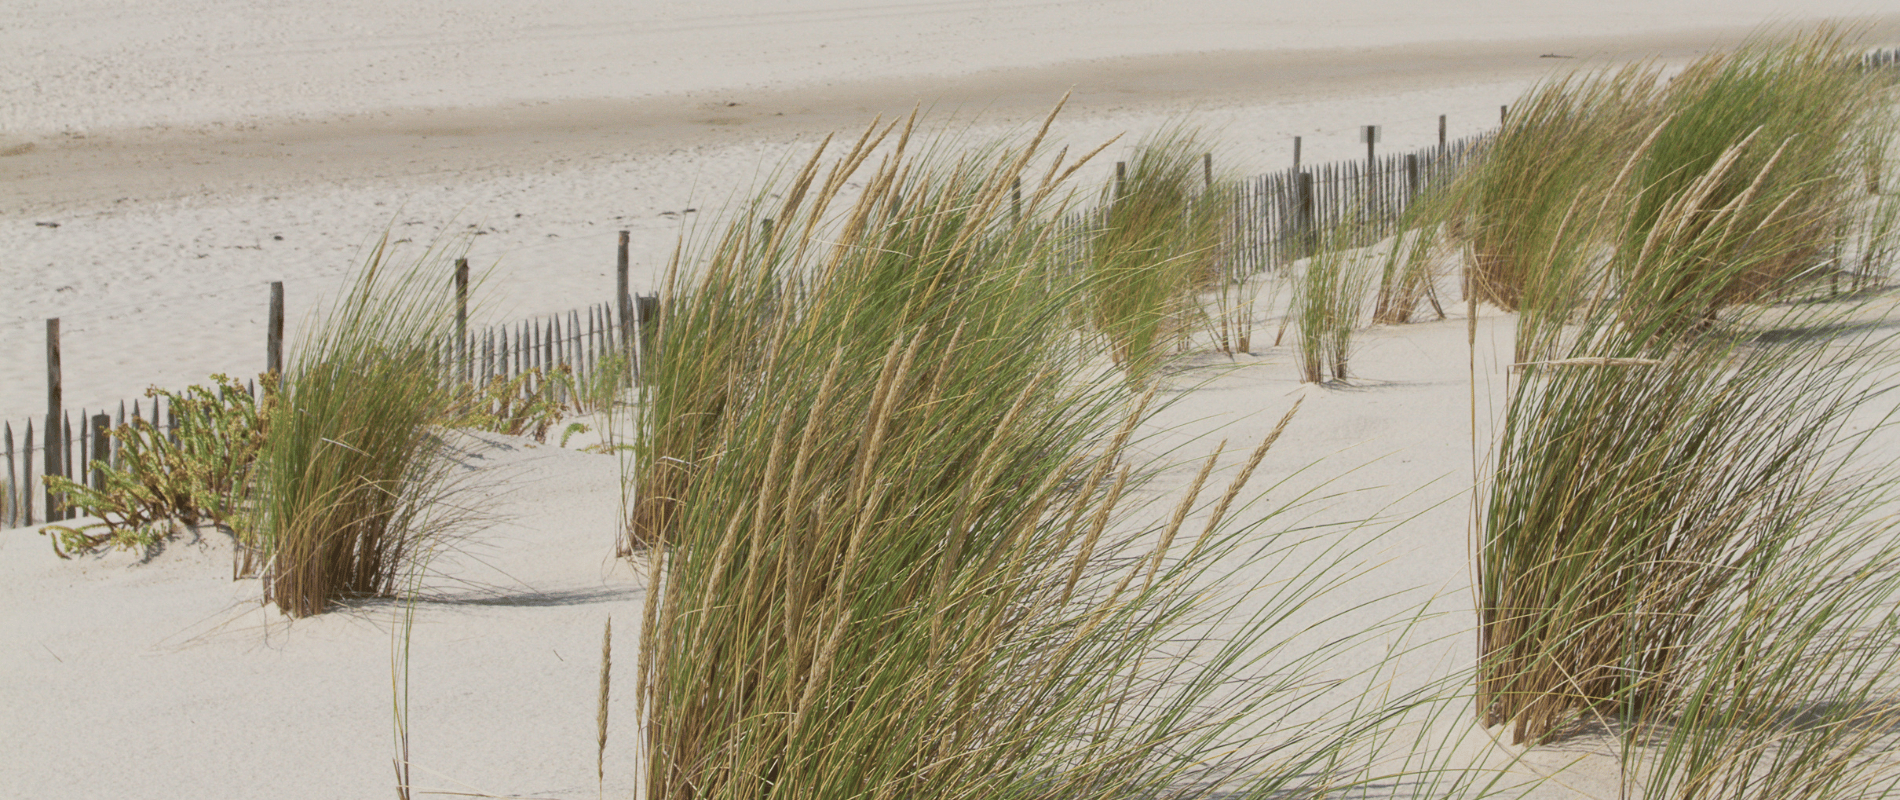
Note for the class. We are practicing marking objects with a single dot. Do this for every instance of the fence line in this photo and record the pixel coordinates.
(1277, 217)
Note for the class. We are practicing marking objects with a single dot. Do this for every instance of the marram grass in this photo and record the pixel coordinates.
(898, 557)
(1681, 539)
(350, 485)
(1155, 248)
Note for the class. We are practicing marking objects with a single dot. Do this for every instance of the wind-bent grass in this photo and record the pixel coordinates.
(1766, 139)
(1597, 172)
(349, 482)
(1156, 248)
(1328, 302)
(1527, 204)
(896, 561)
(1660, 488)
(1409, 272)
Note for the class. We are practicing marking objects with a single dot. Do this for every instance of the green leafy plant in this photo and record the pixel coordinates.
(197, 473)
(528, 404)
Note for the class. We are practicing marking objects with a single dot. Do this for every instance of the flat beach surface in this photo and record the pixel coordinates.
(160, 166)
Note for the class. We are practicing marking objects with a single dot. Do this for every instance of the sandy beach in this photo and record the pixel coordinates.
(160, 167)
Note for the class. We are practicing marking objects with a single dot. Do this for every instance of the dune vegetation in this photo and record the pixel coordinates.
(883, 466)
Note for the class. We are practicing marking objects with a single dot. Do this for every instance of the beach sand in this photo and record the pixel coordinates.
(158, 168)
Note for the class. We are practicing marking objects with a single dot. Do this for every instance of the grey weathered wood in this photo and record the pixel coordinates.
(461, 317)
(11, 499)
(66, 460)
(1296, 154)
(1307, 224)
(1441, 130)
(274, 334)
(623, 299)
(101, 448)
(1121, 177)
(1207, 170)
(26, 487)
(55, 400)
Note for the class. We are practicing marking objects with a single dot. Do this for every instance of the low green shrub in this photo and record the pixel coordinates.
(526, 405)
(197, 473)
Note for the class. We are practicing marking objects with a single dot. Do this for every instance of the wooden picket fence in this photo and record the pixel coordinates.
(1277, 217)
(580, 344)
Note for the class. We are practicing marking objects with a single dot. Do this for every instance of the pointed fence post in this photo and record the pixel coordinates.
(101, 449)
(1308, 230)
(11, 500)
(461, 319)
(26, 487)
(54, 400)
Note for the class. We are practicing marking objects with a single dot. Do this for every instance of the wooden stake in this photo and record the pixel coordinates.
(101, 449)
(461, 320)
(623, 301)
(54, 399)
(274, 335)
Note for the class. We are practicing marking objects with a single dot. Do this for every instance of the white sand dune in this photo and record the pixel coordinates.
(191, 152)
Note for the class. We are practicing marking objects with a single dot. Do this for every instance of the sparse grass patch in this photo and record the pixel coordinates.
(1328, 304)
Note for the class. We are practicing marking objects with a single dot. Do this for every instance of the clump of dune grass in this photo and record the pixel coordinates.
(1595, 173)
(900, 558)
(1155, 248)
(350, 482)
(1764, 140)
(1328, 304)
(1683, 544)
(1658, 486)
(1527, 202)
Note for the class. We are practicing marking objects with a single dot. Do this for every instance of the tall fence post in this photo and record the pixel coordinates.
(274, 336)
(1207, 169)
(1121, 177)
(55, 391)
(1296, 155)
(1441, 131)
(461, 320)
